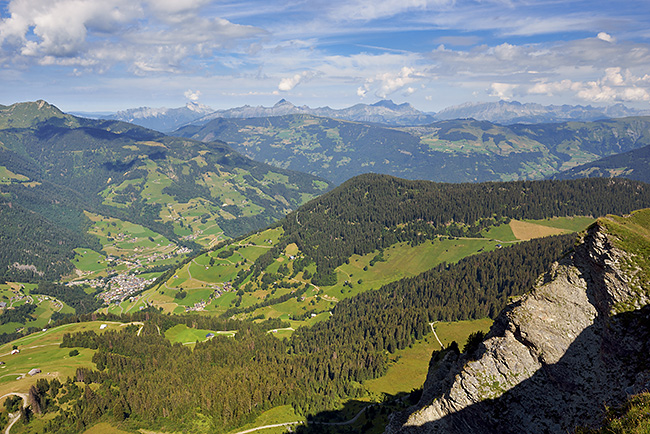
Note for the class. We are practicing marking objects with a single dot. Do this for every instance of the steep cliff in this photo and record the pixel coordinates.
(555, 356)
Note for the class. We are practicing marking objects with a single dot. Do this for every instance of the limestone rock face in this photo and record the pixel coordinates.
(552, 359)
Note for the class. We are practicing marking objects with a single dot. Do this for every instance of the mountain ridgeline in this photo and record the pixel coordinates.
(384, 112)
(372, 212)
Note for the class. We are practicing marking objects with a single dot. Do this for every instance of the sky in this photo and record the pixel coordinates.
(109, 55)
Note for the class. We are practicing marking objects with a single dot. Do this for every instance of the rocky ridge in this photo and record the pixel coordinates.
(382, 112)
(552, 358)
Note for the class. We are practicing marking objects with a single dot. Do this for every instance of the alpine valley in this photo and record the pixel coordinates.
(160, 283)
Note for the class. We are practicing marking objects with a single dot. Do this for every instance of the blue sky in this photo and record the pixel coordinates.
(108, 55)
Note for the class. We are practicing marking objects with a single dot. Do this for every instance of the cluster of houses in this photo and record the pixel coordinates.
(198, 306)
(123, 286)
(192, 236)
(218, 292)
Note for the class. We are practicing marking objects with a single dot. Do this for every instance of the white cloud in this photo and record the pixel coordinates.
(192, 95)
(616, 85)
(390, 82)
(553, 88)
(367, 10)
(507, 52)
(613, 76)
(146, 35)
(605, 37)
(362, 91)
(288, 83)
(172, 7)
(502, 90)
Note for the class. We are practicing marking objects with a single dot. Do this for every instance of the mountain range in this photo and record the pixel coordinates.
(513, 112)
(384, 112)
(161, 119)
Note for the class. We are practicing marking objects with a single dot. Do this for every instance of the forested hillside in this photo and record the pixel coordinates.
(631, 165)
(372, 212)
(59, 166)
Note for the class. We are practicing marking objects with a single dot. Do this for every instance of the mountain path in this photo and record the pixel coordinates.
(347, 422)
(13, 418)
(435, 335)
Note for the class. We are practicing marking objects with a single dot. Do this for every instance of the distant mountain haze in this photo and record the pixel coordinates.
(384, 112)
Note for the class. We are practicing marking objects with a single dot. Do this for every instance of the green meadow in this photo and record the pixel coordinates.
(186, 335)
(400, 261)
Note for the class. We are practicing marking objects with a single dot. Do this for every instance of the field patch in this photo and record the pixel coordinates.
(186, 335)
(573, 224)
(276, 415)
(105, 428)
(527, 231)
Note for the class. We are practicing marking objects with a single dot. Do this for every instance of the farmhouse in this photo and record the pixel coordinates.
(34, 372)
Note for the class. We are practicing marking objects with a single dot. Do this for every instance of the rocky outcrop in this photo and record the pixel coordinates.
(552, 359)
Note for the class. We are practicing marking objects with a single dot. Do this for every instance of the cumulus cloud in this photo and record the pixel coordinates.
(363, 90)
(192, 95)
(605, 37)
(147, 35)
(507, 52)
(615, 85)
(288, 83)
(502, 90)
(390, 82)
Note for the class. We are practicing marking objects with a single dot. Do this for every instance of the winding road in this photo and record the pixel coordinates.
(13, 417)
(298, 422)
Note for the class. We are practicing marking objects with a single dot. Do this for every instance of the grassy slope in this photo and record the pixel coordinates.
(632, 234)
(631, 418)
(21, 294)
(41, 350)
(410, 366)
